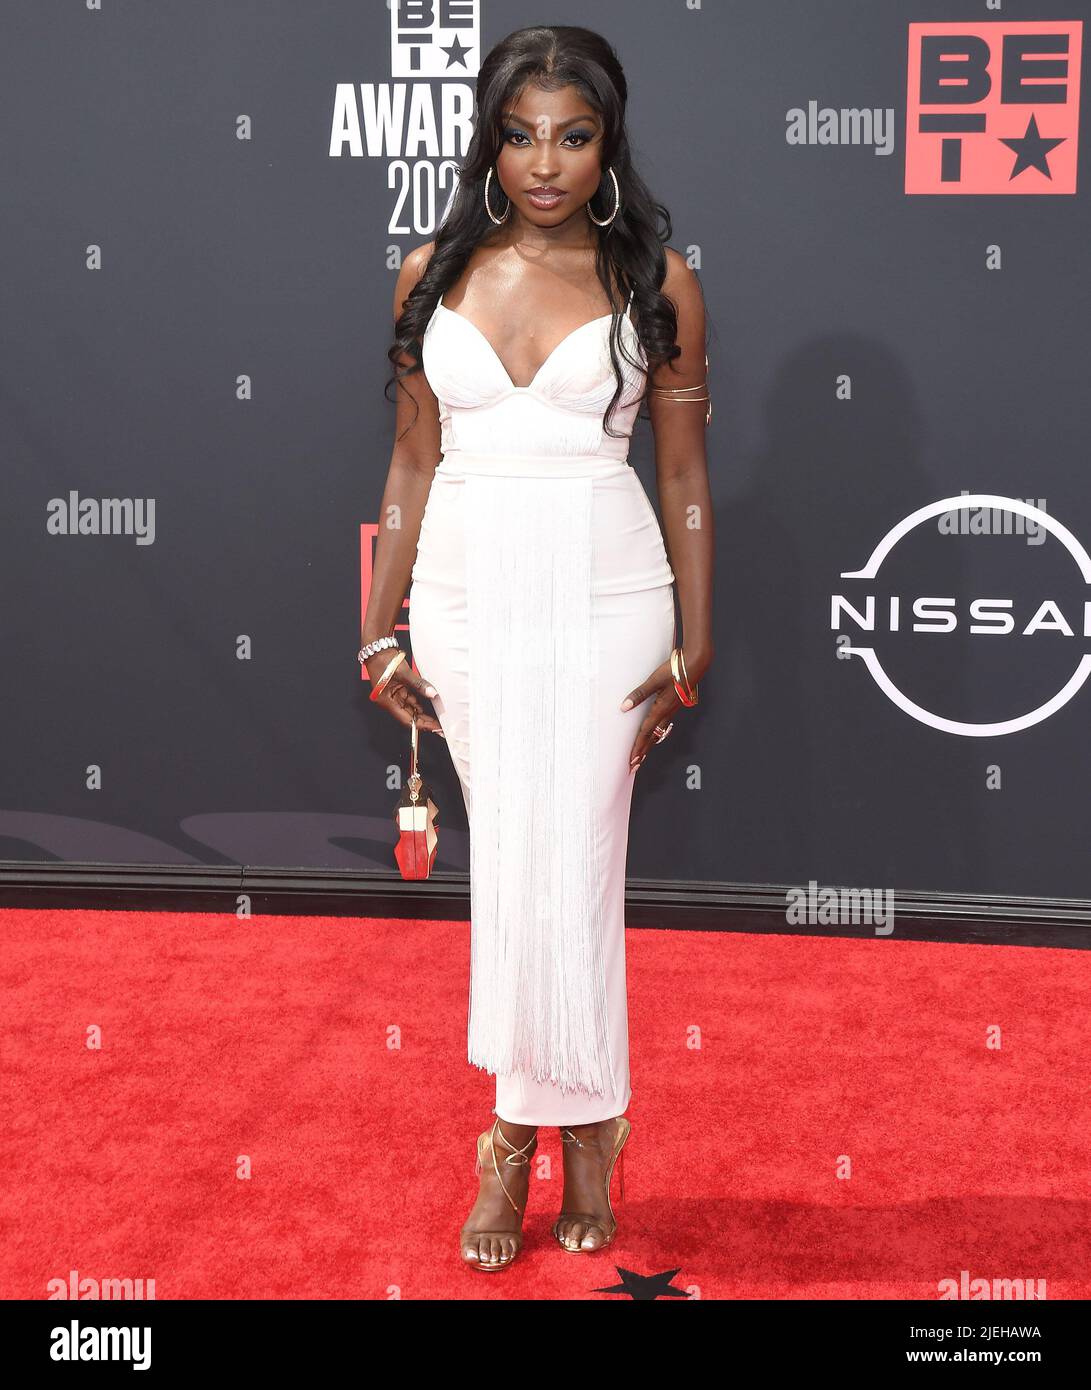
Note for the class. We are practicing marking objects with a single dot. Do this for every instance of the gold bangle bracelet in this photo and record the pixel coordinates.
(384, 679)
(686, 693)
(685, 673)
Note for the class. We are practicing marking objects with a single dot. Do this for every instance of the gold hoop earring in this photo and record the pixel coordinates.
(617, 203)
(507, 210)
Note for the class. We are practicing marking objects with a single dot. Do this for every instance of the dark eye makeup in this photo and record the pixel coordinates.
(584, 136)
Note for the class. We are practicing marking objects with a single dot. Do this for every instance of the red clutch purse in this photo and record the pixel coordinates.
(416, 815)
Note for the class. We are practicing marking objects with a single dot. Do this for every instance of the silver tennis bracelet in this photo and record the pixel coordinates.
(376, 646)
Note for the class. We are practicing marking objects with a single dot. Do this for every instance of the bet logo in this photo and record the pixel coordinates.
(993, 108)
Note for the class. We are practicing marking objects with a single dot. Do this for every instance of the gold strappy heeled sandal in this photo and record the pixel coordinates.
(622, 1131)
(486, 1148)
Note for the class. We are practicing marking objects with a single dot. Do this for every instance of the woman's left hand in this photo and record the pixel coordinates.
(666, 703)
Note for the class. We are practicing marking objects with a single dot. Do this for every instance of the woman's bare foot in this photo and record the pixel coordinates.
(493, 1234)
(586, 1221)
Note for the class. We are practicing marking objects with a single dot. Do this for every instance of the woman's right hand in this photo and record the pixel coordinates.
(404, 694)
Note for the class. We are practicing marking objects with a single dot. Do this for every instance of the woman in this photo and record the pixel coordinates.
(542, 600)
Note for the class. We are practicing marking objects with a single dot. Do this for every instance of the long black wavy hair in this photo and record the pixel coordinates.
(554, 56)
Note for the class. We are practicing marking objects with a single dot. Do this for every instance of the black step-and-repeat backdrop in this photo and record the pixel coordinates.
(206, 206)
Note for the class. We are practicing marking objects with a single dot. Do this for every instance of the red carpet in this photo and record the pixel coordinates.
(331, 1053)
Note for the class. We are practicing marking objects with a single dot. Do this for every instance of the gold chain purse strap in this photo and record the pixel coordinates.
(416, 815)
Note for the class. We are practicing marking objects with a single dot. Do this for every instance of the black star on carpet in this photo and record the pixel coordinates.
(1031, 150)
(454, 52)
(645, 1288)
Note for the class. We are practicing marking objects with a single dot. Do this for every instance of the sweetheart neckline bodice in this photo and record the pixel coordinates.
(529, 389)
(560, 411)
(549, 357)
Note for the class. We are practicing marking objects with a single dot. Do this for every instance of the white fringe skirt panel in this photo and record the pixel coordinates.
(541, 595)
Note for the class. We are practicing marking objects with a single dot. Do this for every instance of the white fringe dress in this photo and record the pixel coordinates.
(541, 595)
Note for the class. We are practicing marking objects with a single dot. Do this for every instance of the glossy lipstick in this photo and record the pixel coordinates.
(545, 197)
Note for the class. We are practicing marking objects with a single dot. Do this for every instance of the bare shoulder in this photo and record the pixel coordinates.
(418, 258)
(413, 267)
(681, 285)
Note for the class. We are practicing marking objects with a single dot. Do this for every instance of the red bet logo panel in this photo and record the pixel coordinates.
(993, 108)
